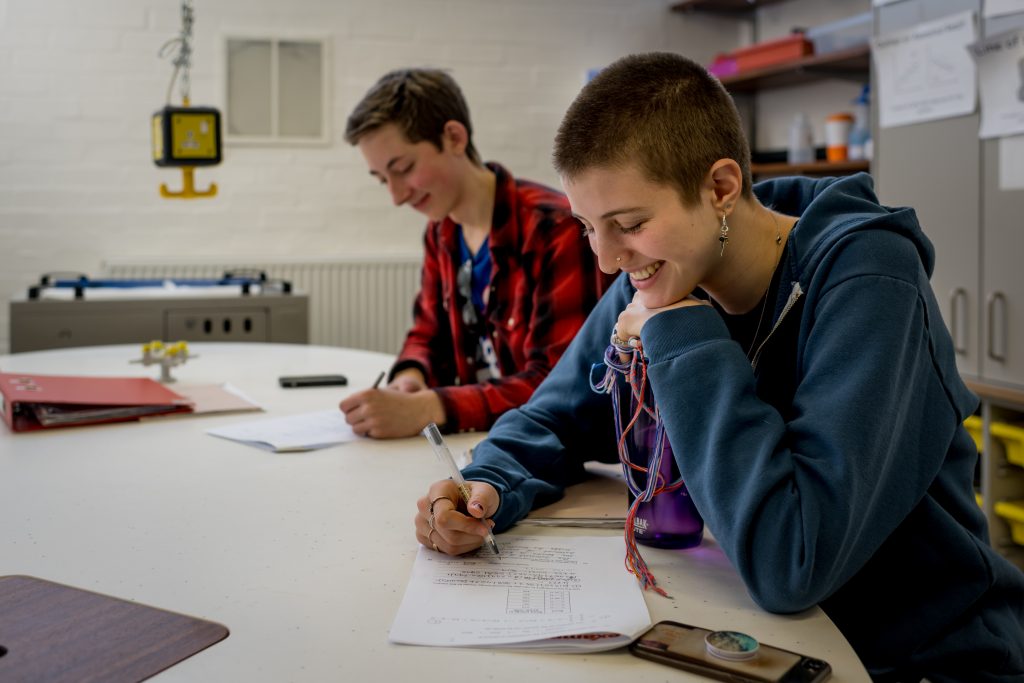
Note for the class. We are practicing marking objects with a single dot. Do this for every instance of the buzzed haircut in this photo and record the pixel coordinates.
(660, 111)
(418, 101)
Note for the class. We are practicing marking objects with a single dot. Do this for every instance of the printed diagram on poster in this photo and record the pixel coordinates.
(926, 73)
(1000, 61)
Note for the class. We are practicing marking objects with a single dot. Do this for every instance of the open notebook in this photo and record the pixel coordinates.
(545, 593)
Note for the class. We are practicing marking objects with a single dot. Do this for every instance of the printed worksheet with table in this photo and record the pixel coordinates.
(557, 594)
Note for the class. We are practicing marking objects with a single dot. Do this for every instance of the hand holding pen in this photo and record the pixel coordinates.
(387, 411)
(462, 533)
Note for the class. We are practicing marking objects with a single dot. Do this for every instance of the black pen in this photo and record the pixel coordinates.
(380, 378)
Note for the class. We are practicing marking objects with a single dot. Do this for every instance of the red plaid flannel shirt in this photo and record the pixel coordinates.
(544, 282)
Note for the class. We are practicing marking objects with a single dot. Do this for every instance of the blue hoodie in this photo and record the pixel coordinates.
(834, 469)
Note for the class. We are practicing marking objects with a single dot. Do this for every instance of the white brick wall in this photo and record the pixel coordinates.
(79, 80)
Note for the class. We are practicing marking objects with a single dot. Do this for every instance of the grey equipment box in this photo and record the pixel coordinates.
(78, 312)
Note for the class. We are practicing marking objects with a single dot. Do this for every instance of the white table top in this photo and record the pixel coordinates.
(303, 556)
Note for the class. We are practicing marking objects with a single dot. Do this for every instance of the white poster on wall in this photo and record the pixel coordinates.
(1000, 62)
(997, 8)
(925, 72)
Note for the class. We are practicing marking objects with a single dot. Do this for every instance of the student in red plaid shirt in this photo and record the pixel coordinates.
(507, 278)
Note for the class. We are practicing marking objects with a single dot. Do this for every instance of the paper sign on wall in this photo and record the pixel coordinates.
(925, 72)
(1000, 62)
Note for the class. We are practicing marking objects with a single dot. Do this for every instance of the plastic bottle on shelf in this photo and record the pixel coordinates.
(801, 140)
(860, 134)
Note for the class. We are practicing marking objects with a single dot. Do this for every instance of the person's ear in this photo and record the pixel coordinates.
(725, 183)
(455, 137)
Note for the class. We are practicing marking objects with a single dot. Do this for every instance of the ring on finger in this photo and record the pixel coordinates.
(437, 499)
(431, 542)
(430, 521)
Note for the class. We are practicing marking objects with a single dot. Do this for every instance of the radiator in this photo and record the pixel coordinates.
(361, 303)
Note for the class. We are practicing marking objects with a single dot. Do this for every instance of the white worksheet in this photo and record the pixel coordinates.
(303, 432)
(1000, 60)
(925, 72)
(556, 594)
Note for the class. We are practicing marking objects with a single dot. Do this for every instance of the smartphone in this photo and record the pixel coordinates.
(313, 381)
(684, 647)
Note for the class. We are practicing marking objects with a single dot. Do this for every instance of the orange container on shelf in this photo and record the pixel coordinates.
(788, 49)
(837, 136)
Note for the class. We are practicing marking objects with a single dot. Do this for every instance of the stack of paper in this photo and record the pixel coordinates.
(303, 432)
(598, 502)
(554, 594)
(216, 399)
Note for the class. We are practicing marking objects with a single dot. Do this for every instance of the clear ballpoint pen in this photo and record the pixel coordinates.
(445, 456)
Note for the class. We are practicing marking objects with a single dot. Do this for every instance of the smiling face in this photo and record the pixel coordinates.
(643, 229)
(417, 174)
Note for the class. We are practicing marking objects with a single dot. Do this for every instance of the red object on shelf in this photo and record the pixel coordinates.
(788, 49)
(724, 65)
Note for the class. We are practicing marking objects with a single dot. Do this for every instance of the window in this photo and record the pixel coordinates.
(277, 91)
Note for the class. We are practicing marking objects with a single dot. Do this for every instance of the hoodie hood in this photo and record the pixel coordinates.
(832, 208)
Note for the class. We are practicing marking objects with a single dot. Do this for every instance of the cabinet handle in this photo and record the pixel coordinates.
(956, 297)
(993, 299)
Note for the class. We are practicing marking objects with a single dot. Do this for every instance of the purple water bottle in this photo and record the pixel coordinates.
(669, 519)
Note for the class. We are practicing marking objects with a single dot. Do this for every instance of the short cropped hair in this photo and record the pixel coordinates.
(419, 101)
(661, 111)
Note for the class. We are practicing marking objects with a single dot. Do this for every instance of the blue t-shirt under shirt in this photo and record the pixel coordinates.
(481, 269)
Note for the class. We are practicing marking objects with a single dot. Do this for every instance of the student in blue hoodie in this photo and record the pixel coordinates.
(803, 372)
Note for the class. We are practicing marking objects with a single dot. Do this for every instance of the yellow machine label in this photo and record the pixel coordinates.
(158, 137)
(193, 136)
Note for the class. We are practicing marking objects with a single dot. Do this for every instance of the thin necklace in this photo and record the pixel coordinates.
(764, 305)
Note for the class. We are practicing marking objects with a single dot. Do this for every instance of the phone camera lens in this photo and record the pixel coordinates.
(814, 664)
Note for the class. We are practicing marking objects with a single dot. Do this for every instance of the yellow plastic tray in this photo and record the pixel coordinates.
(1013, 512)
(973, 425)
(1012, 437)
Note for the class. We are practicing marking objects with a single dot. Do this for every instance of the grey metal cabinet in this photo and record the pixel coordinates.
(935, 167)
(940, 182)
(951, 178)
(1002, 276)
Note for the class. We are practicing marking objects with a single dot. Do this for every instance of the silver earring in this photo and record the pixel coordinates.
(723, 235)
(618, 259)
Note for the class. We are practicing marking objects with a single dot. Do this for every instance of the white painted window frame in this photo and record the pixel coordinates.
(275, 139)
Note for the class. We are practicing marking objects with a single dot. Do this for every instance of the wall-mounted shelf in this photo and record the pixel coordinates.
(721, 6)
(817, 168)
(853, 63)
